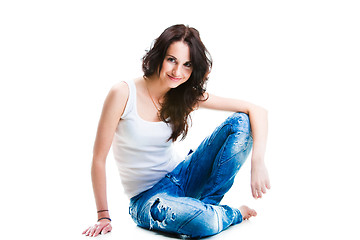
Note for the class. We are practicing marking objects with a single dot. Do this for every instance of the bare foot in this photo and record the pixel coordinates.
(247, 212)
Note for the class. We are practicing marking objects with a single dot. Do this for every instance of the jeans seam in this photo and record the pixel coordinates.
(222, 151)
(217, 175)
(190, 219)
(220, 164)
(212, 137)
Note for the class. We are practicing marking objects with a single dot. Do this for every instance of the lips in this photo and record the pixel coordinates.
(174, 78)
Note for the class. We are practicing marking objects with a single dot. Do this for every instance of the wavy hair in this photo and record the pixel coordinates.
(179, 102)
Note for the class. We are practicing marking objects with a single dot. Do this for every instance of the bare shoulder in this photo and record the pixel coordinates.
(116, 99)
(120, 89)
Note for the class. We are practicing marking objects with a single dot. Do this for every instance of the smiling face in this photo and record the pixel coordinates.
(176, 67)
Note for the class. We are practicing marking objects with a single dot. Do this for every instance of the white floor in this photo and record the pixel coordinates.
(278, 218)
(291, 210)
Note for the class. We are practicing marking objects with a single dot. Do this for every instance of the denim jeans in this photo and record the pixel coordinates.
(187, 200)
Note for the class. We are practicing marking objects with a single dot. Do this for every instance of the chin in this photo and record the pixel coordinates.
(175, 84)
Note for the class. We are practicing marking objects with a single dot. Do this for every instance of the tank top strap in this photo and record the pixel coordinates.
(131, 99)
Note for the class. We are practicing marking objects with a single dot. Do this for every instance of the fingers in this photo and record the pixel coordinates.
(106, 229)
(92, 231)
(258, 191)
(97, 229)
(259, 180)
(86, 230)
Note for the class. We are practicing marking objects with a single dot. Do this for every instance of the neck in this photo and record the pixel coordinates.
(156, 88)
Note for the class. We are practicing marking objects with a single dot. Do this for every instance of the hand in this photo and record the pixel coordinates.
(259, 179)
(103, 227)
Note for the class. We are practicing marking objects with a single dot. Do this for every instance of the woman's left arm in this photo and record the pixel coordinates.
(259, 127)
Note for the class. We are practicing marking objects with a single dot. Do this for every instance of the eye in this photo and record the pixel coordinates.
(171, 59)
(188, 64)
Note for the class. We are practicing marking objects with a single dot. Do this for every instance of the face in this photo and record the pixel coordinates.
(176, 68)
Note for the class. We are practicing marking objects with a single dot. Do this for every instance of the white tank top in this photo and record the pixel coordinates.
(141, 150)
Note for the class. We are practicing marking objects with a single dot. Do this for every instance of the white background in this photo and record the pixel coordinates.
(298, 59)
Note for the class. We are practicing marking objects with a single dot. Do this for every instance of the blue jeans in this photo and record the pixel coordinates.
(186, 201)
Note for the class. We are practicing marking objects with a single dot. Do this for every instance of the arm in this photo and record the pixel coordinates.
(259, 127)
(113, 108)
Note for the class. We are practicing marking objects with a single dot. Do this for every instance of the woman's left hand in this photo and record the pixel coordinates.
(259, 179)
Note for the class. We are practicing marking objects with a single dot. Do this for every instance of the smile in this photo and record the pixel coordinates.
(174, 78)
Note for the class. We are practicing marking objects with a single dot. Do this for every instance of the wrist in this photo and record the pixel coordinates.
(103, 214)
(105, 219)
(257, 161)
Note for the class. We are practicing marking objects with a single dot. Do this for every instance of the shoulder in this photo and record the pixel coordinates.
(119, 92)
(120, 89)
(117, 98)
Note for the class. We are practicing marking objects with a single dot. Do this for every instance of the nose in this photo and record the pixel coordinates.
(176, 70)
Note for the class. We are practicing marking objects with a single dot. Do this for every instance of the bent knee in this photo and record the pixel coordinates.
(240, 122)
(203, 225)
(240, 116)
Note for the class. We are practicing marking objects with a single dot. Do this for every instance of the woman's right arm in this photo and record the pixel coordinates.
(113, 108)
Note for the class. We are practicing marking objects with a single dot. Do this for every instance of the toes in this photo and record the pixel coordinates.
(247, 212)
(250, 213)
(253, 213)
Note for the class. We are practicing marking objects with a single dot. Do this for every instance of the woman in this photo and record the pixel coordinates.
(143, 117)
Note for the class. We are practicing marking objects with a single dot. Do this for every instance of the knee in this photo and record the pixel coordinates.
(240, 117)
(175, 218)
(203, 225)
(240, 122)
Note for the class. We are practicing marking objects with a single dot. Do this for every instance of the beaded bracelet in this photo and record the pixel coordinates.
(104, 218)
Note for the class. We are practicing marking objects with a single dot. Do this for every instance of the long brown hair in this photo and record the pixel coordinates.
(179, 102)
